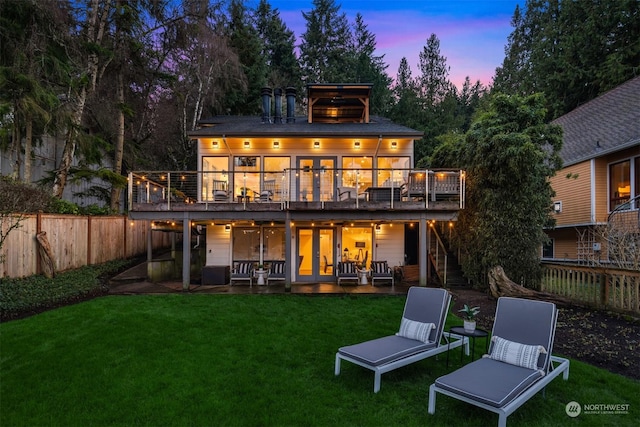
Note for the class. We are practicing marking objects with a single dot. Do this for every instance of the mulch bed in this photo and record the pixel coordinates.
(607, 340)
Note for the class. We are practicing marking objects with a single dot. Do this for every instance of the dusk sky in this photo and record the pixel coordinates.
(472, 33)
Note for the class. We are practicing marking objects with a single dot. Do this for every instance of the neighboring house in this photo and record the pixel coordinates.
(600, 176)
(333, 185)
(46, 155)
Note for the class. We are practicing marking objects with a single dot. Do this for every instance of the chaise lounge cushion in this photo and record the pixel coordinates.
(415, 330)
(490, 381)
(383, 350)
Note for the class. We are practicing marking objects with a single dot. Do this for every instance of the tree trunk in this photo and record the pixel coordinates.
(98, 13)
(48, 263)
(501, 286)
(119, 148)
(28, 143)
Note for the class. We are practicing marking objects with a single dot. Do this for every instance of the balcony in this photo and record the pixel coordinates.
(304, 189)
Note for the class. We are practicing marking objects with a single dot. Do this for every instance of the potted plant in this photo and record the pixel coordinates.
(469, 315)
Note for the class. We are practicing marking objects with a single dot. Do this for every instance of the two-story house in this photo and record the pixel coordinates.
(600, 179)
(336, 184)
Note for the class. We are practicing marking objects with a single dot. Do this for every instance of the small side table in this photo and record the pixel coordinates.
(261, 275)
(477, 333)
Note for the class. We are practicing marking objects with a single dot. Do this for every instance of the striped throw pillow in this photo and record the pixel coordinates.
(379, 267)
(415, 330)
(278, 268)
(244, 268)
(515, 353)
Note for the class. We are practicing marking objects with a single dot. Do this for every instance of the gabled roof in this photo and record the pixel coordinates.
(608, 123)
(252, 126)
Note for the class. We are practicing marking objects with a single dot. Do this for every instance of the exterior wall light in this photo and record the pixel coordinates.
(215, 144)
(276, 144)
(356, 145)
(316, 144)
(394, 145)
(247, 144)
(557, 207)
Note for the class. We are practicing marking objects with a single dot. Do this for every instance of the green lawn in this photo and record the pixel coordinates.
(246, 360)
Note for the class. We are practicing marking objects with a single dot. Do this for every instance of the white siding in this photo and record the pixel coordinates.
(218, 245)
(389, 243)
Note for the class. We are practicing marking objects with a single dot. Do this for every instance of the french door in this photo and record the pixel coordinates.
(316, 179)
(316, 254)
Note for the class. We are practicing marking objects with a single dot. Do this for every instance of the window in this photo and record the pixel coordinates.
(246, 177)
(396, 166)
(213, 169)
(246, 244)
(357, 244)
(274, 168)
(547, 249)
(357, 172)
(274, 244)
(619, 183)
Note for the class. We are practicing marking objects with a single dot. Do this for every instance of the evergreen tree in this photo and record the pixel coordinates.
(509, 155)
(370, 68)
(326, 45)
(245, 40)
(437, 99)
(32, 70)
(572, 51)
(279, 48)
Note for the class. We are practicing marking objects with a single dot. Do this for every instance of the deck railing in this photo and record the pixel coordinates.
(610, 288)
(323, 185)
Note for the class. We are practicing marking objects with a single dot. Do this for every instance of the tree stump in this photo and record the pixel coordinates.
(501, 286)
(46, 254)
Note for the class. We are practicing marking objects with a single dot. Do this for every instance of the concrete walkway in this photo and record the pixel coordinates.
(134, 281)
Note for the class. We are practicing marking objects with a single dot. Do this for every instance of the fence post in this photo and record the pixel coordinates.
(38, 230)
(88, 239)
(604, 288)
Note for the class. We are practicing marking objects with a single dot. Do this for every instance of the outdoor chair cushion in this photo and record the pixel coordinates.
(515, 353)
(277, 268)
(490, 381)
(380, 267)
(383, 350)
(415, 330)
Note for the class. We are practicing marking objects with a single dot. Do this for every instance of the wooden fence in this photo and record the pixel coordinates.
(608, 288)
(75, 241)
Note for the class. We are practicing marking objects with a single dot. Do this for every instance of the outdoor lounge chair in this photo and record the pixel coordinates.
(380, 270)
(220, 191)
(347, 270)
(420, 336)
(276, 271)
(516, 367)
(242, 271)
(267, 192)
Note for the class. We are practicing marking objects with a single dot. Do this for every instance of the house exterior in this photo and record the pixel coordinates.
(336, 184)
(600, 180)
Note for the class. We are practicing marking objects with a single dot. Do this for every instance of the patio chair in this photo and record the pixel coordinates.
(420, 336)
(276, 271)
(220, 191)
(381, 271)
(519, 363)
(267, 192)
(243, 271)
(347, 270)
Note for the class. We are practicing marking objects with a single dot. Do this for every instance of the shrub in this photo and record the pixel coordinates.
(37, 293)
